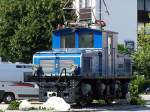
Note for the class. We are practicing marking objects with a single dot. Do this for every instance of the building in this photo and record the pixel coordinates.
(143, 15)
(119, 15)
(130, 45)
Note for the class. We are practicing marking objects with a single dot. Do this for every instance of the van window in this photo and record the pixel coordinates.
(19, 66)
(24, 66)
(28, 66)
(27, 77)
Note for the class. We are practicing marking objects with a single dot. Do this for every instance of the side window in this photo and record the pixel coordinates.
(19, 66)
(86, 40)
(24, 66)
(28, 66)
(87, 64)
(27, 76)
(67, 40)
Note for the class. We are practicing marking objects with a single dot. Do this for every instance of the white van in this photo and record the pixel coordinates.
(14, 83)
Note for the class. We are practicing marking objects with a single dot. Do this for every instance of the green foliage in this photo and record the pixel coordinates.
(14, 105)
(137, 101)
(1, 111)
(134, 88)
(135, 84)
(122, 49)
(26, 26)
(143, 85)
(142, 55)
(101, 102)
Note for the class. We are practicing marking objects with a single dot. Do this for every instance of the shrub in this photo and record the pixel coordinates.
(101, 102)
(134, 88)
(137, 101)
(14, 105)
(1, 111)
(135, 84)
(143, 85)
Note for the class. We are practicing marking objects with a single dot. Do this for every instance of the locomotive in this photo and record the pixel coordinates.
(83, 65)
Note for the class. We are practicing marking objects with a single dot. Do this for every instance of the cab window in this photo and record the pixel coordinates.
(67, 40)
(86, 40)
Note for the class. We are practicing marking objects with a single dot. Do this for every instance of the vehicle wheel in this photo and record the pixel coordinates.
(8, 97)
(1, 100)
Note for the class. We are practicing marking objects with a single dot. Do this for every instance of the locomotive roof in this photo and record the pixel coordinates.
(78, 29)
(59, 51)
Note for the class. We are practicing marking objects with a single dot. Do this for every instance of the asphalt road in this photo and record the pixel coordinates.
(114, 108)
(118, 107)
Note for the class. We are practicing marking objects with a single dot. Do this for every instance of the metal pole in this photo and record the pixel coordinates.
(100, 13)
(100, 10)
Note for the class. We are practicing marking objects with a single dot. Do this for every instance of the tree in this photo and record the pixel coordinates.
(122, 49)
(142, 55)
(134, 89)
(26, 26)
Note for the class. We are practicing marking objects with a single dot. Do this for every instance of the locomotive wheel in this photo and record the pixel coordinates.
(1, 100)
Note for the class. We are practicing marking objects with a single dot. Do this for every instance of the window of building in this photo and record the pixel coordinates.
(140, 4)
(147, 5)
(143, 5)
(85, 3)
(86, 40)
(67, 41)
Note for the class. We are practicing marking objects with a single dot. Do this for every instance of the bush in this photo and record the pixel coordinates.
(135, 88)
(135, 85)
(143, 85)
(101, 102)
(14, 105)
(1, 111)
(137, 101)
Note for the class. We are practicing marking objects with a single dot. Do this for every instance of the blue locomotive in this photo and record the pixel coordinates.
(83, 65)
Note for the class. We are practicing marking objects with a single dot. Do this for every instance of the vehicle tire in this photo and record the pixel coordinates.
(1, 100)
(8, 97)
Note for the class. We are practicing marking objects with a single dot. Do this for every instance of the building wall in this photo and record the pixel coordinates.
(143, 15)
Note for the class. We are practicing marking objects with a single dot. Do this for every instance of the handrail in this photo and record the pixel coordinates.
(64, 69)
